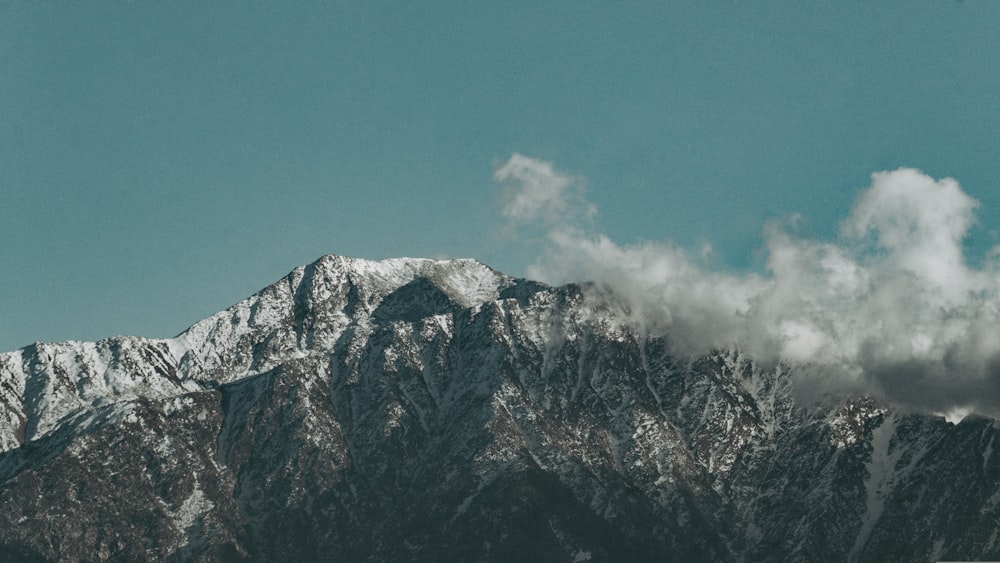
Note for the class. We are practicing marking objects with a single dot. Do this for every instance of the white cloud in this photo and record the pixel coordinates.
(537, 191)
(892, 306)
(920, 222)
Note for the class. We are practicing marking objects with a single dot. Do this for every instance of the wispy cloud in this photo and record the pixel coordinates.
(891, 307)
(537, 192)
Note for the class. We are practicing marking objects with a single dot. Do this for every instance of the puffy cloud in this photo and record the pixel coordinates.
(920, 223)
(891, 307)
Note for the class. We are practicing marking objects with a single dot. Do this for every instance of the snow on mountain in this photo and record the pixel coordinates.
(439, 410)
(303, 313)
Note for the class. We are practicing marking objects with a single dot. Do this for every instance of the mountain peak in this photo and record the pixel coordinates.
(466, 280)
(304, 313)
(439, 410)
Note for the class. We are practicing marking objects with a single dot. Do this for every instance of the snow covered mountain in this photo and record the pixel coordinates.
(439, 410)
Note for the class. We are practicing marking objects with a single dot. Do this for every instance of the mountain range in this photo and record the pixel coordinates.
(422, 410)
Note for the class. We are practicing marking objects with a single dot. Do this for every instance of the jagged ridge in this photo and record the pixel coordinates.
(418, 409)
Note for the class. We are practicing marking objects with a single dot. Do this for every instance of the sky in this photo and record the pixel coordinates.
(161, 161)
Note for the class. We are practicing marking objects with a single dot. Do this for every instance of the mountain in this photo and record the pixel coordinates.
(442, 411)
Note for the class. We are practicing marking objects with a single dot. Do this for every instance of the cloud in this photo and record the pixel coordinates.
(891, 307)
(537, 192)
(919, 222)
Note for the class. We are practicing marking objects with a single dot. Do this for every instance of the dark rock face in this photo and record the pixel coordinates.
(440, 411)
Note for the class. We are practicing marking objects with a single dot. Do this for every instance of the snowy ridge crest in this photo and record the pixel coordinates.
(303, 313)
(415, 409)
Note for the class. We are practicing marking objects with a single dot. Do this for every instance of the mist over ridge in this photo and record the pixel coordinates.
(890, 307)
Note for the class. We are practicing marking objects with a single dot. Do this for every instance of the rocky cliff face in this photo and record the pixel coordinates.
(439, 410)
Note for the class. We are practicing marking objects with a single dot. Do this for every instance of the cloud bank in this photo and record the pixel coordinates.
(891, 307)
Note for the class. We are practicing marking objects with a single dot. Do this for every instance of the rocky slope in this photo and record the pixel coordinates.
(439, 410)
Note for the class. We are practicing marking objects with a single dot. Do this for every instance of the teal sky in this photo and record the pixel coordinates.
(161, 161)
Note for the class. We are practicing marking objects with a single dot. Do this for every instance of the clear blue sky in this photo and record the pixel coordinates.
(160, 161)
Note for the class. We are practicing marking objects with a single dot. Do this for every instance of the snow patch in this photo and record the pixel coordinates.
(193, 510)
(394, 412)
(881, 470)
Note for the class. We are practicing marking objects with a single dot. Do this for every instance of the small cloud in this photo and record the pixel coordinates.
(534, 190)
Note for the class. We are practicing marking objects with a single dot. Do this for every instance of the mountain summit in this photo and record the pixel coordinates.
(414, 409)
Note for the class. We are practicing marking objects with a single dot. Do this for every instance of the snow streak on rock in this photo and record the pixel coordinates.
(439, 410)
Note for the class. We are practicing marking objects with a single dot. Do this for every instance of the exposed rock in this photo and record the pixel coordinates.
(439, 410)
